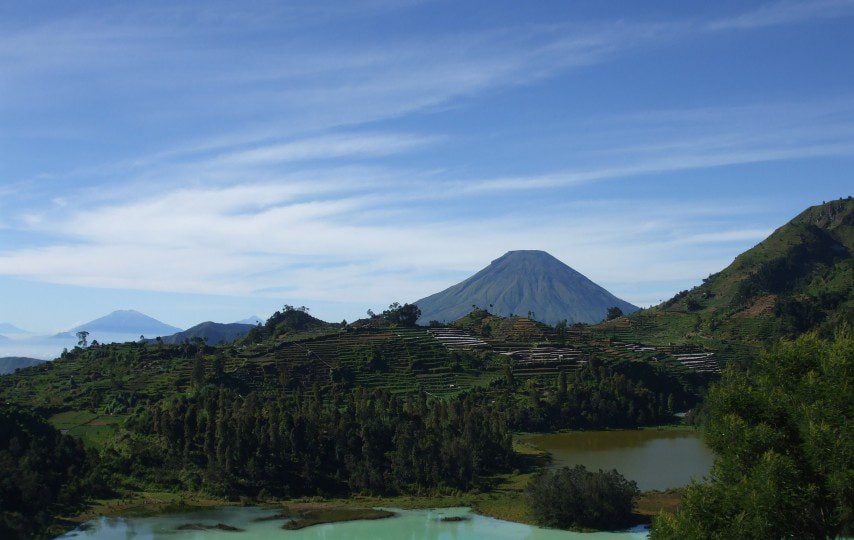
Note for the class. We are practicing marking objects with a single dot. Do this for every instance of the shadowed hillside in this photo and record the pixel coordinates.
(8, 364)
(210, 332)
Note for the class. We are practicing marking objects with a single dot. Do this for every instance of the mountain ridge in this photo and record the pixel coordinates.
(9, 328)
(211, 332)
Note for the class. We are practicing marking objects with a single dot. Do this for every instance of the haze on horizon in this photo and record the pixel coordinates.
(216, 160)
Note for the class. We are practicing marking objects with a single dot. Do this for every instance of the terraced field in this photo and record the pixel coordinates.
(104, 383)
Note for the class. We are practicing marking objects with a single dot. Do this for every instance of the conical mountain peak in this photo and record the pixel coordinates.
(522, 282)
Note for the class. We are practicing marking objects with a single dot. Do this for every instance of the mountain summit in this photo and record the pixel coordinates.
(127, 321)
(525, 281)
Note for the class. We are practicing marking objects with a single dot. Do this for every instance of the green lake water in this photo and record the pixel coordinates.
(405, 525)
(654, 458)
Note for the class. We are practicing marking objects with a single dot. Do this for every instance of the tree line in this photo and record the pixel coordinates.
(601, 395)
(365, 441)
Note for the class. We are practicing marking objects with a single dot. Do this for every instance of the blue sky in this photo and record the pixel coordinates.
(215, 160)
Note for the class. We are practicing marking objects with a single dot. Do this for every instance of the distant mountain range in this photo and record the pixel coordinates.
(9, 364)
(212, 333)
(253, 320)
(127, 322)
(521, 283)
(8, 328)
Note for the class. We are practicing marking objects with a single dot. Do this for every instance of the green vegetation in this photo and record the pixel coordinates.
(601, 395)
(42, 473)
(796, 280)
(783, 434)
(613, 313)
(358, 442)
(577, 498)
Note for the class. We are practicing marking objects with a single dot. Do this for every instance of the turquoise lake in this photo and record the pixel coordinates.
(405, 525)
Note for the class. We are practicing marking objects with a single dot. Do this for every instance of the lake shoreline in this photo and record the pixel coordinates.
(503, 499)
(316, 511)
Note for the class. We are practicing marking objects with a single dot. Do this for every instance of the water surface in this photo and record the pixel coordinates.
(654, 458)
(406, 525)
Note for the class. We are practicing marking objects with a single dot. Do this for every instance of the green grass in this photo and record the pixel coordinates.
(95, 430)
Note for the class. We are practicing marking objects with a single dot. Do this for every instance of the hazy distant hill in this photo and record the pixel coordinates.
(253, 320)
(520, 282)
(127, 322)
(9, 364)
(799, 278)
(8, 328)
(213, 333)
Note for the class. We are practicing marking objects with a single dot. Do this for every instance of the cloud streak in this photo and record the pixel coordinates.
(244, 155)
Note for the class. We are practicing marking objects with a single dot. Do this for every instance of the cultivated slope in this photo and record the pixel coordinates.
(523, 282)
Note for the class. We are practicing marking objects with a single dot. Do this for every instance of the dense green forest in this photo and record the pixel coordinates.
(604, 395)
(784, 439)
(365, 441)
(42, 473)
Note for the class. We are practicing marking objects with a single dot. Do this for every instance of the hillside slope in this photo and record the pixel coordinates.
(210, 332)
(798, 279)
(525, 282)
(8, 364)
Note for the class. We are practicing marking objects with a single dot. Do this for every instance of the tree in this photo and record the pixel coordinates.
(198, 375)
(82, 338)
(402, 315)
(218, 367)
(613, 313)
(509, 380)
(561, 385)
(560, 330)
(575, 497)
(783, 435)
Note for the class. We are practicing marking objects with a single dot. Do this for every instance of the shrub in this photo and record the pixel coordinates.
(577, 498)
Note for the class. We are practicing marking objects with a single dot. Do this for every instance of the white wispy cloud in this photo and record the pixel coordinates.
(786, 12)
(327, 147)
(287, 189)
(225, 241)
